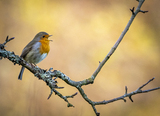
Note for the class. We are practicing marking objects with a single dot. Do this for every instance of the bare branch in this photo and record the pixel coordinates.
(47, 76)
(129, 94)
(101, 64)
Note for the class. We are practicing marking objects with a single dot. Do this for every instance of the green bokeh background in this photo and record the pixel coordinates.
(83, 33)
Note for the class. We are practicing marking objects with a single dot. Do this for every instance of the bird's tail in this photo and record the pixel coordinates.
(21, 73)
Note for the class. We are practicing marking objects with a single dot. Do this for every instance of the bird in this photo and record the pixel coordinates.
(36, 50)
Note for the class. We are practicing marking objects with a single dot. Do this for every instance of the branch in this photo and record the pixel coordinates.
(63, 97)
(138, 91)
(101, 64)
(2, 46)
(47, 76)
(38, 72)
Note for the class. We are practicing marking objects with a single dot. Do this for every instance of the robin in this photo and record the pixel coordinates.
(36, 50)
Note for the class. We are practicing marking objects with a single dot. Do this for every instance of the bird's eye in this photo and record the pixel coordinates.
(43, 36)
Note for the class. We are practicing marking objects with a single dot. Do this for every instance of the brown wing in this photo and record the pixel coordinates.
(25, 52)
(27, 49)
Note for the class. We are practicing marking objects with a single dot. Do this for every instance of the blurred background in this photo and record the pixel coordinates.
(83, 32)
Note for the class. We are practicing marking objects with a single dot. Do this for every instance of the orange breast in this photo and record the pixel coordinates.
(44, 48)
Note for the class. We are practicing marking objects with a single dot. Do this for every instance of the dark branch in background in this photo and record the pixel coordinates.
(47, 76)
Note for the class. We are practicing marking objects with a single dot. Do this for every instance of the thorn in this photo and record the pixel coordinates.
(130, 98)
(2, 46)
(59, 87)
(124, 100)
(143, 11)
(55, 78)
(152, 78)
(50, 69)
(97, 114)
(126, 89)
(132, 10)
(50, 94)
(74, 95)
(71, 96)
(13, 53)
(11, 38)
(7, 38)
(70, 105)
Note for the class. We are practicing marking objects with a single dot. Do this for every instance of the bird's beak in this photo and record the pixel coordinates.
(50, 36)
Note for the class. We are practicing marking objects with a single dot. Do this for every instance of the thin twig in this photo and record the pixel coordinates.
(71, 96)
(101, 64)
(138, 91)
(7, 40)
(50, 94)
(132, 10)
(143, 11)
(146, 83)
(126, 89)
(63, 97)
